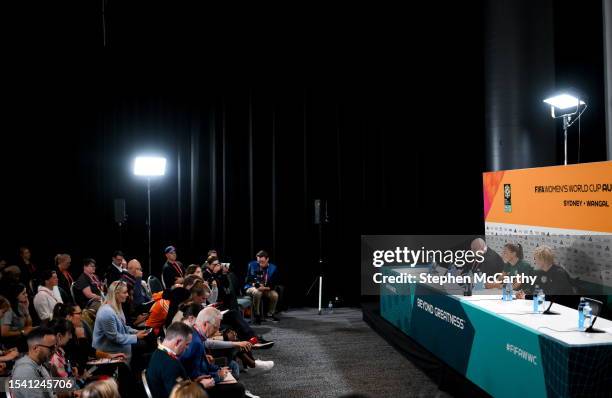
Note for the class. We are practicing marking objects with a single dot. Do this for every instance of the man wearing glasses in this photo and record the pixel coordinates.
(173, 270)
(41, 344)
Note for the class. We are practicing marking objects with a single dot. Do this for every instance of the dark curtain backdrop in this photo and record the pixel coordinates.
(245, 164)
(379, 112)
(532, 51)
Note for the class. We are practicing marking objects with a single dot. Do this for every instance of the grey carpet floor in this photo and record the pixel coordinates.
(332, 355)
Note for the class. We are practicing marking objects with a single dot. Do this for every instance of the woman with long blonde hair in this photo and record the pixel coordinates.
(111, 333)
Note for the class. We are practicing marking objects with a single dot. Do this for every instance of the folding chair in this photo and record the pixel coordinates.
(145, 384)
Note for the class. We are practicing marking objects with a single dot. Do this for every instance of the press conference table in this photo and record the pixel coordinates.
(562, 327)
(501, 345)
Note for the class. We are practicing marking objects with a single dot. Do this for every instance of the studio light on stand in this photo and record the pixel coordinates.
(568, 107)
(149, 167)
(321, 217)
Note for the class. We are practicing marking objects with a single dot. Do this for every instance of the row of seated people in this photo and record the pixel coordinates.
(261, 281)
(550, 276)
(110, 324)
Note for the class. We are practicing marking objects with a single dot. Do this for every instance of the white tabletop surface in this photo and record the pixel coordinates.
(562, 327)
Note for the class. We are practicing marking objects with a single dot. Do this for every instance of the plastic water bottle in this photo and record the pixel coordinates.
(541, 300)
(330, 307)
(506, 292)
(587, 316)
(467, 287)
(510, 292)
(581, 313)
(536, 294)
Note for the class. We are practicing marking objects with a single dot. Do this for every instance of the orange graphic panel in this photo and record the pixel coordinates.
(569, 197)
(491, 183)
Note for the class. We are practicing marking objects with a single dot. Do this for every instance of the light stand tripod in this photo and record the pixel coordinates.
(320, 221)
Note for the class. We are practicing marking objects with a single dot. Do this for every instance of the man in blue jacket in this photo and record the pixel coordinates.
(198, 365)
(260, 283)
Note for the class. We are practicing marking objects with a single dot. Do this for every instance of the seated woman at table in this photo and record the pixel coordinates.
(552, 278)
(514, 264)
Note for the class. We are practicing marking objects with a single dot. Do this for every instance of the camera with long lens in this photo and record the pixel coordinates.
(258, 278)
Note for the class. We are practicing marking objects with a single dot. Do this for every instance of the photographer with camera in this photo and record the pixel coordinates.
(260, 283)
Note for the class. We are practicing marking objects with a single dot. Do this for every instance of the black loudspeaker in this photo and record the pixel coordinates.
(120, 215)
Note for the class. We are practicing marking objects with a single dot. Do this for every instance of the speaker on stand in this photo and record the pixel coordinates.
(120, 218)
(321, 217)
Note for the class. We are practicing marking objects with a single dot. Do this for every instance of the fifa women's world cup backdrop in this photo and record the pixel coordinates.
(568, 208)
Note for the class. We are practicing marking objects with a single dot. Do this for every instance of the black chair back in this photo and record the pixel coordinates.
(154, 284)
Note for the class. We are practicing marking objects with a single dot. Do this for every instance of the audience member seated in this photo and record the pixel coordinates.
(60, 363)
(16, 322)
(11, 276)
(111, 333)
(115, 270)
(48, 295)
(73, 313)
(6, 357)
(41, 345)
(10, 354)
(5, 306)
(79, 350)
(235, 287)
(135, 310)
(198, 365)
(233, 317)
(173, 271)
(230, 348)
(101, 389)
(217, 280)
(260, 283)
(27, 268)
(181, 294)
(198, 295)
(165, 370)
(88, 286)
(188, 389)
(133, 277)
(194, 269)
(165, 307)
(64, 277)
